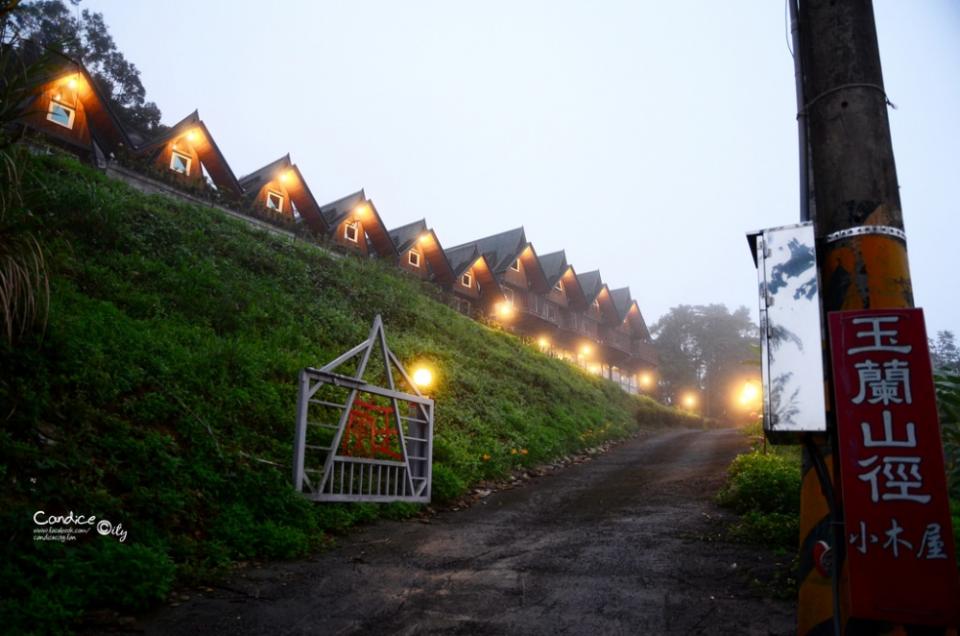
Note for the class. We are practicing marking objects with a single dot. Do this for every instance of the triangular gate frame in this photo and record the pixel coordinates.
(378, 480)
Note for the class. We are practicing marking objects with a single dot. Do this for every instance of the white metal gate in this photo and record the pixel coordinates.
(356, 441)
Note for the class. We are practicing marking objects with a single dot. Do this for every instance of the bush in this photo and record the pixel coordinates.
(766, 483)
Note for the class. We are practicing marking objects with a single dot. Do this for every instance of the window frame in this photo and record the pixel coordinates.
(468, 276)
(71, 114)
(515, 265)
(413, 258)
(558, 286)
(280, 198)
(188, 160)
(355, 226)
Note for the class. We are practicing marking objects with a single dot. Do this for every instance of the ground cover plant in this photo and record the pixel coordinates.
(160, 394)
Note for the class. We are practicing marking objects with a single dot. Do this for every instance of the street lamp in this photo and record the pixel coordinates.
(422, 377)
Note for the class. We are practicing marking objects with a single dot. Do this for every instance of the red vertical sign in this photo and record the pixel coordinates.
(900, 549)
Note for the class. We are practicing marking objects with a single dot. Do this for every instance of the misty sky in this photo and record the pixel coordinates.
(645, 139)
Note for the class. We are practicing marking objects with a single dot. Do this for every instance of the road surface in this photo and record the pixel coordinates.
(623, 544)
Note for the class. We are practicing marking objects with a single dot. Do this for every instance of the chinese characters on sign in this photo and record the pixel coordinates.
(896, 511)
(370, 434)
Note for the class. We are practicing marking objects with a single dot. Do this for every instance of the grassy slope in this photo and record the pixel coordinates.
(174, 339)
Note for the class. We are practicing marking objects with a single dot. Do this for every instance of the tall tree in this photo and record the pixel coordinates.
(54, 24)
(945, 353)
(708, 349)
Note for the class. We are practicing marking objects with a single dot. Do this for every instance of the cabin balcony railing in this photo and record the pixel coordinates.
(646, 352)
(618, 341)
(579, 324)
(542, 308)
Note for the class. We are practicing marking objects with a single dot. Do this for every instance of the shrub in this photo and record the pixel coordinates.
(766, 483)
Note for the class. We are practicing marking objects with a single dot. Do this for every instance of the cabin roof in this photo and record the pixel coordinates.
(107, 129)
(591, 284)
(554, 266)
(335, 212)
(306, 203)
(212, 159)
(405, 236)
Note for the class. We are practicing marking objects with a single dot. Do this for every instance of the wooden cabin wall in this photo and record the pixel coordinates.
(361, 245)
(184, 147)
(422, 272)
(79, 134)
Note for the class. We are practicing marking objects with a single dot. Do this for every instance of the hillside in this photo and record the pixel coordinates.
(165, 380)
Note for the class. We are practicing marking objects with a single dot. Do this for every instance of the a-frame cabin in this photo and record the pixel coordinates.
(279, 187)
(354, 224)
(67, 107)
(185, 150)
(421, 253)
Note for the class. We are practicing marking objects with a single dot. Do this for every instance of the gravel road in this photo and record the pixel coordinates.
(623, 544)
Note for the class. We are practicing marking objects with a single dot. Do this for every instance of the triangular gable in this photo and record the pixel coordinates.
(501, 250)
(467, 257)
(67, 81)
(365, 212)
(417, 233)
(192, 136)
(284, 176)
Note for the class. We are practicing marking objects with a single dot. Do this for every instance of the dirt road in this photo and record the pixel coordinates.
(617, 545)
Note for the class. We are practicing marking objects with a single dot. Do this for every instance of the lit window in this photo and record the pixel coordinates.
(61, 114)
(467, 280)
(274, 201)
(180, 162)
(515, 265)
(351, 231)
(559, 286)
(413, 258)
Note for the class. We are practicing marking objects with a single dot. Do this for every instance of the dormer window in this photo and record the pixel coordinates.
(596, 304)
(180, 163)
(61, 114)
(413, 258)
(467, 280)
(515, 265)
(274, 201)
(351, 231)
(558, 287)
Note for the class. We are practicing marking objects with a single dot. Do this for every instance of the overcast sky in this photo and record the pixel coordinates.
(645, 139)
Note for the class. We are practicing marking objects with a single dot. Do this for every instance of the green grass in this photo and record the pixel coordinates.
(168, 368)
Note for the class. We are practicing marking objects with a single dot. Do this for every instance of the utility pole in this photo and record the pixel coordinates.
(858, 222)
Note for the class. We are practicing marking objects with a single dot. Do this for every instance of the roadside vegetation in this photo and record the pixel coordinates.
(160, 394)
(763, 487)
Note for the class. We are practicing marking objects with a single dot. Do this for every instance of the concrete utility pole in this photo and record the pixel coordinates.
(859, 227)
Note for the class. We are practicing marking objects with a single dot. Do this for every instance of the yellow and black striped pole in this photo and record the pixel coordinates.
(858, 222)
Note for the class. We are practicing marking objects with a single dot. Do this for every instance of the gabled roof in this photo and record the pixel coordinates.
(335, 212)
(405, 236)
(622, 301)
(104, 124)
(554, 266)
(210, 155)
(500, 250)
(462, 257)
(591, 284)
(299, 192)
(625, 306)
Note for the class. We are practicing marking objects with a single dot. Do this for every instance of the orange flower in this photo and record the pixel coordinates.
(523, 451)
(513, 451)
(486, 457)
